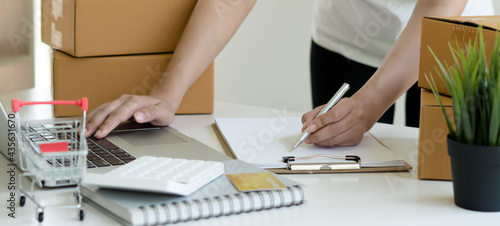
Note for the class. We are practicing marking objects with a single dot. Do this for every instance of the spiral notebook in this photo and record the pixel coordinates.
(219, 198)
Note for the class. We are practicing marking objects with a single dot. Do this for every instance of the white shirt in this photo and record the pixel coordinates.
(365, 30)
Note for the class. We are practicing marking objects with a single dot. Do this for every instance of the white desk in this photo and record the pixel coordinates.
(332, 199)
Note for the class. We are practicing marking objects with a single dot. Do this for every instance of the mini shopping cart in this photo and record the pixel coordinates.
(52, 151)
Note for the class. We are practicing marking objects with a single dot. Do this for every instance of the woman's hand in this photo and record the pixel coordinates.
(343, 125)
(142, 108)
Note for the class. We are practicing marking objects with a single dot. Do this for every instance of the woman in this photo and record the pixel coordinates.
(348, 29)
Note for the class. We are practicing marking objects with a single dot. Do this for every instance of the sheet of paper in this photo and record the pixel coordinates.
(264, 141)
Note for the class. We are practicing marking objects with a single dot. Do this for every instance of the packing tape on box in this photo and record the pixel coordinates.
(57, 9)
(56, 37)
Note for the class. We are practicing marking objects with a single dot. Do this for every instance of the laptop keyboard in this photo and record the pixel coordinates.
(101, 152)
(104, 153)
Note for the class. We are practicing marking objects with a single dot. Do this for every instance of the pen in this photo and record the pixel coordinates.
(338, 95)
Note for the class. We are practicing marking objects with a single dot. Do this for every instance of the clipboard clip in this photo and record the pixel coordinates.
(352, 162)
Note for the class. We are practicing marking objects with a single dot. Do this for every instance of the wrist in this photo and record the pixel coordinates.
(169, 93)
(371, 106)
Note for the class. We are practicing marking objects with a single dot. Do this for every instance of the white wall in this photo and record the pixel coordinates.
(267, 61)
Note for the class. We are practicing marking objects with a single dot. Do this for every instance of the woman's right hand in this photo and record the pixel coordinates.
(343, 125)
(102, 120)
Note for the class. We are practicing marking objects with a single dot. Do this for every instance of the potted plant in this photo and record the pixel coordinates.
(474, 138)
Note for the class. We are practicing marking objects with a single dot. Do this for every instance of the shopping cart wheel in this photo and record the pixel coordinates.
(81, 214)
(40, 217)
(22, 200)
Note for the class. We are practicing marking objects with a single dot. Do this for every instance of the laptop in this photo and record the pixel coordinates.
(127, 142)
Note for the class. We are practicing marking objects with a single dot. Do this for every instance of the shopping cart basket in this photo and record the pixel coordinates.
(52, 151)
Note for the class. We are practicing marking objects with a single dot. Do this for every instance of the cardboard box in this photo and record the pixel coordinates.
(114, 27)
(433, 158)
(103, 79)
(438, 32)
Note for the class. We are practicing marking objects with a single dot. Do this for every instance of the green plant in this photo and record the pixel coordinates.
(475, 92)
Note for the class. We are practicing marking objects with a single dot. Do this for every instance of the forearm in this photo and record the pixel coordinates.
(399, 70)
(211, 26)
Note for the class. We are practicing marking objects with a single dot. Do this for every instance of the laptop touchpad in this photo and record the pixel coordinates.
(150, 137)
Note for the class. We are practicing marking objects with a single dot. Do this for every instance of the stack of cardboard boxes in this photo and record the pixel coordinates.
(103, 49)
(437, 33)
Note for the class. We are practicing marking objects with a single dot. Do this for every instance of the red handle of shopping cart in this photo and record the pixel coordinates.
(17, 104)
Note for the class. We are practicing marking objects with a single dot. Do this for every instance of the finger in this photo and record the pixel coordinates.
(334, 115)
(94, 120)
(351, 142)
(347, 132)
(308, 117)
(122, 113)
(101, 113)
(158, 115)
(107, 125)
(91, 114)
(146, 114)
(337, 133)
(329, 135)
(348, 138)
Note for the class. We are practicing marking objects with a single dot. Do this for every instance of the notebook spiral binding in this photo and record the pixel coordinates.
(244, 202)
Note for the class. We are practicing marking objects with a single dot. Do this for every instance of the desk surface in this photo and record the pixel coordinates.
(354, 198)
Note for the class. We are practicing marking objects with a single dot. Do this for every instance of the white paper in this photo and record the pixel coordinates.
(264, 141)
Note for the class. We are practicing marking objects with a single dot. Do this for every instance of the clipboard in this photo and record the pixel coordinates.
(287, 170)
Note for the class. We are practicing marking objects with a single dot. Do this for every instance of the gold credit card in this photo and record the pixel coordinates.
(255, 181)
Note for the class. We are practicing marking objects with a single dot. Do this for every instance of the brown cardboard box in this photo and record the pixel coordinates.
(438, 32)
(114, 27)
(103, 79)
(433, 159)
